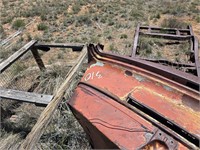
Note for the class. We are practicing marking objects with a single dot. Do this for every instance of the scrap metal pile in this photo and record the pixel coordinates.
(130, 102)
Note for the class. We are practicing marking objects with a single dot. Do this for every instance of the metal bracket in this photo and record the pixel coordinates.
(161, 137)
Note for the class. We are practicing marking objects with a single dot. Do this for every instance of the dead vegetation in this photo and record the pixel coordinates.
(171, 50)
(110, 23)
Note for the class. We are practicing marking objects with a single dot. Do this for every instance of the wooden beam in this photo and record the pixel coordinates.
(135, 43)
(12, 36)
(196, 55)
(45, 46)
(25, 96)
(5, 41)
(9, 61)
(38, 59)
(44, 119)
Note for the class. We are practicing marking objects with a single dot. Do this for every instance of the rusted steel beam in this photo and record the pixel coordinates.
(165, 29)
(135, 43)
(167, 36)
(191, 30)
(177, 32)
(177, 35)
(192, 42)
(38, 59)
(149, 30)
(47, 46)
(9, 61)
(170, 63)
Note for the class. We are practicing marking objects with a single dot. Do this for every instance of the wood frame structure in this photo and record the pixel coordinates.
(33, 46)
(51, 101)
(46, 116)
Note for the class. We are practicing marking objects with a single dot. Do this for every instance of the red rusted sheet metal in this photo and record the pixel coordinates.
(123, 106)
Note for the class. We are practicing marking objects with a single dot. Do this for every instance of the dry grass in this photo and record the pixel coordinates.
(10, 141)
(110, 23)
(171, 50)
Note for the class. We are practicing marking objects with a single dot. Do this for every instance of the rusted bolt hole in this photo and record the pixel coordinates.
(128, 73)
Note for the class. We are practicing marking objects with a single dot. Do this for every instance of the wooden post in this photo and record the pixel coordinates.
(44, 119)
(135, 42)
(38, 59)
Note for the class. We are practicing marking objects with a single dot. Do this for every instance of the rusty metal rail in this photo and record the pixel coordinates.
(175, 75)
(170, 34)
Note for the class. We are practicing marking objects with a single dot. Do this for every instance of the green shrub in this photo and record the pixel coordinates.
(94, 39)
(83, 19)
(7, 19)
(112, 48)
(155, 16)
(43, 17)
(123, 36)
(42, 27)
(110, 22)
(29, 37)
(145, 45)
(17, 24)
(197, 18)
(76, 8)
(173, 23)
(136, 14)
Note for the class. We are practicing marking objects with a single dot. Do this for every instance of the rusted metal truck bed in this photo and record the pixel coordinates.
(123, 104)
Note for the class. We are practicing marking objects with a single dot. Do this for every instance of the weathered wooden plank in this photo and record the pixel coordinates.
(5, 41)
(38, 59)
(25, 96)
(44, 119)
(135, 43)
(12, 36)
(9, 61)
(196, 55)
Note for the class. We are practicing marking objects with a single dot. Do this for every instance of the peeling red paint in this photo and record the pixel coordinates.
(101, 99)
